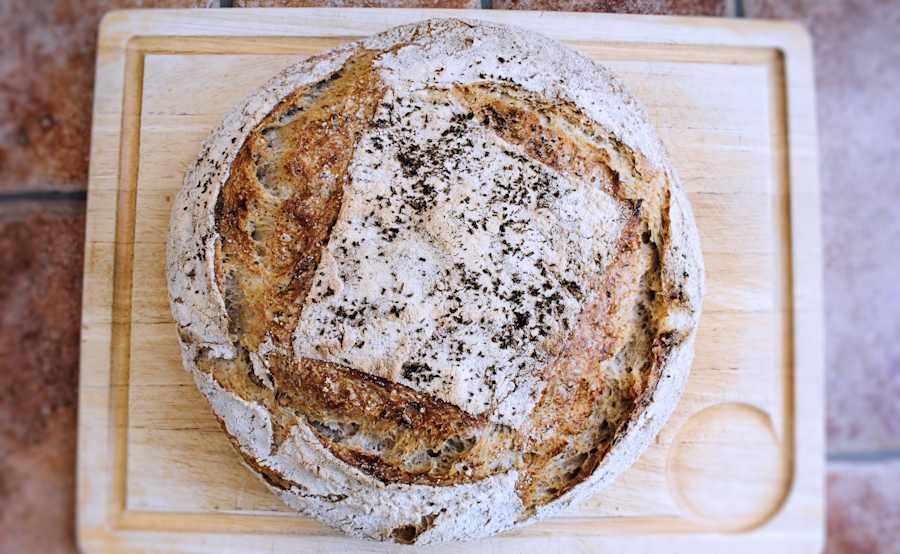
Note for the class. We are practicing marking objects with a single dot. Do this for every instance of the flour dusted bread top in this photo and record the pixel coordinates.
(437, 283)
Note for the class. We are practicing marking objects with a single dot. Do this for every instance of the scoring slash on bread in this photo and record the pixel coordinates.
(438, 283)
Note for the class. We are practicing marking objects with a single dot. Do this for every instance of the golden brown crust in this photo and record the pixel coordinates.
(277, 208)
(328, 434)
(571, 428)
(275, 214)
(394, 432)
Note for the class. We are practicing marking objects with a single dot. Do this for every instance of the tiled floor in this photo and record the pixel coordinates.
(657, 7)
(361, 3)
(46, 75)
(40, 287)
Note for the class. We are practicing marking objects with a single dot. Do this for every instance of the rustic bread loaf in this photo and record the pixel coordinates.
(437, 283)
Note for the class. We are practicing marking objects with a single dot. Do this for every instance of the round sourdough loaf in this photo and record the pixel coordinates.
(437, 283)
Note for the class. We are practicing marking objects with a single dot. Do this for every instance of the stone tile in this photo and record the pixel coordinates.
(37, 488)
(47, 76)
(856, 48)
(658, 7)
(864, 508)
(459, 4)
(41, 252)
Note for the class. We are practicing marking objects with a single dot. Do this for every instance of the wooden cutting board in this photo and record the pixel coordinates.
(740, 464)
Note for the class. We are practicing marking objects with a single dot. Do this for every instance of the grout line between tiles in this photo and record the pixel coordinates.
(26, 196)
(870, 457)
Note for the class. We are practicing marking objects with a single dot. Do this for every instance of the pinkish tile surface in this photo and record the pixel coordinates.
(863, 508)
(458, 4)
(41, 249)
(46, 86)
(38, 488)
(857, 48)
(669, 7)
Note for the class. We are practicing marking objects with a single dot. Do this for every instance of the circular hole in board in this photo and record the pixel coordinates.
(726, 467)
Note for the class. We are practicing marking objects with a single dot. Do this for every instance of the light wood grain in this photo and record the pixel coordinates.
(733, 102)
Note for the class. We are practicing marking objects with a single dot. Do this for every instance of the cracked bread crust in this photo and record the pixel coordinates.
(438, 283)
